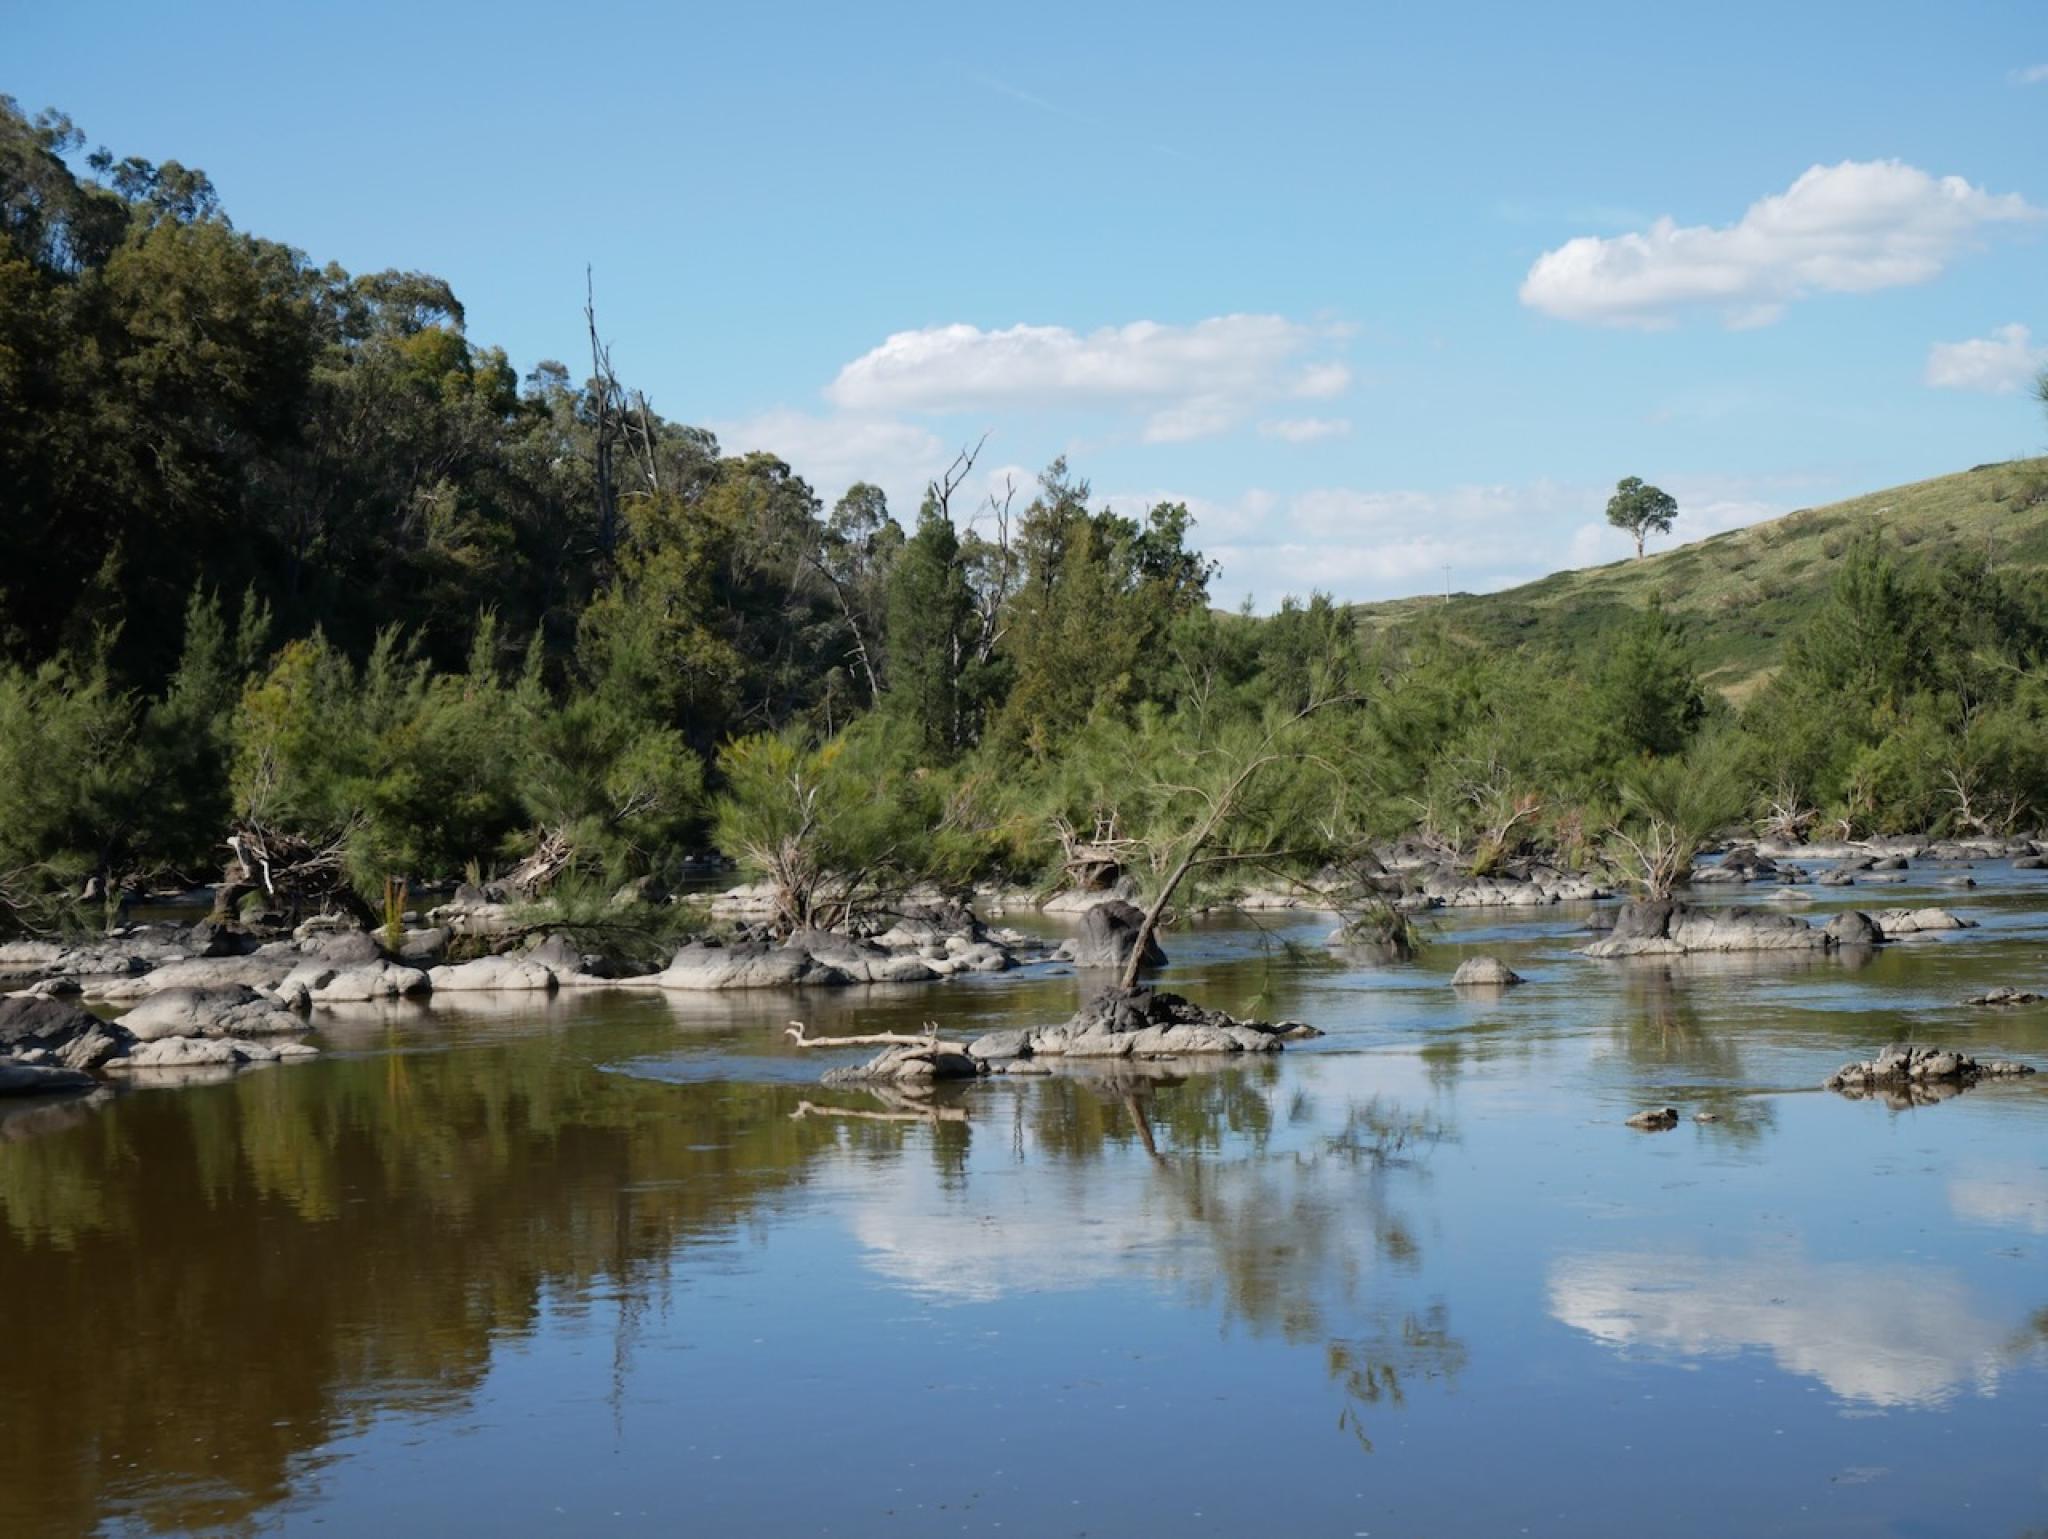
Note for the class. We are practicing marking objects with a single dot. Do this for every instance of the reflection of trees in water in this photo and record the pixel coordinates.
(1284, 1234)
(1660, 1028)
(224, 1279)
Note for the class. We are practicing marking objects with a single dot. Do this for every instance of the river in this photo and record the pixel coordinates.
(618, 1264)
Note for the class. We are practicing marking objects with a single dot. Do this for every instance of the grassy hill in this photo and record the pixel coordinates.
(1744, 592)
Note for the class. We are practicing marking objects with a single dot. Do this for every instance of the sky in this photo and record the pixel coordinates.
(1390, 296)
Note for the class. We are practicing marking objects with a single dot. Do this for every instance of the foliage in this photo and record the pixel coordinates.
(1641, 510)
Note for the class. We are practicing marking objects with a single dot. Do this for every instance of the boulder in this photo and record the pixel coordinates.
(1667, 928)
(1658, 1120)
(749, 965)
(496, 972)
(53, 1032)
(1894, 922)
(1852, 927)
(1012, 1043)
(234, 1011)
(349, 948)
(327, 984)
(1484, 973)
(2031, 863)
(860, 961)
(40, 1079)
(263, 968)
(1109, 934)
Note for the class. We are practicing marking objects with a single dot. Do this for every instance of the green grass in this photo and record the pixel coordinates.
(1745, 592)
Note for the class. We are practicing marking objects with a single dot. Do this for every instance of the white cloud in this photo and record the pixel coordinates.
(1189, 381)
(2033, 74)
(1361, 544)
(2016, 1198)
(1846, 229)
(1881, 1335)
(1305, 430)
(834, 451)
(2004, 361)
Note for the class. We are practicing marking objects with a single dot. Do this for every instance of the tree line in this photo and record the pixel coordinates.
(294, 564)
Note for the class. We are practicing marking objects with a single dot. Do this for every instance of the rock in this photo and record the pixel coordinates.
(1109, 933)
(2004, 995)
(860, 961)
(1890, 863)
(1667, 928)
(2031, 863)
(1660, 1120)
(1835, 879)
(1894, 922)
(749, 965)
(216, 938)
(423, 948)
(326, 984)
(350, 948)
(54, 988)
(1143, 1023)
(1014, 1043)
(495, 972)
(235, 1011)
(557, 953)
(1706, 1116)
(263, 968)
(1484, 973)
(1852, 927)
(1909, 1065)
(54, 1032)
(899, 1062)
(1957, 881)
(40, 1079)
(205, 1052)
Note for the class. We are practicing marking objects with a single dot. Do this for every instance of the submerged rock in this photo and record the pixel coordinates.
(1485, 973)
(1659, 1120)
(1909, 1065)
(2004, 995)
(205, 1052)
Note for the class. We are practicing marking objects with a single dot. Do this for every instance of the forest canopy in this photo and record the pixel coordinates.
(290, 556)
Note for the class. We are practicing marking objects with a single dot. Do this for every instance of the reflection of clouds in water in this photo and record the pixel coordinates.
(1881, 1335)
(1035, 1237)
(2015, 1198)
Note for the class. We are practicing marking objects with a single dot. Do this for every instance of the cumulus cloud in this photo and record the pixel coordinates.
(1305, 430)
(835, 450)
(1885, 1335)
(1189, 381)
(1845, 229)
(2004, 361)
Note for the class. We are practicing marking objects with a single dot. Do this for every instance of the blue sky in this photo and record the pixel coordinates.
(1378, 290)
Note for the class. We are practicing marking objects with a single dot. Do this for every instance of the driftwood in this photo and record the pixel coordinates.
(798, 1033)
(290, 870)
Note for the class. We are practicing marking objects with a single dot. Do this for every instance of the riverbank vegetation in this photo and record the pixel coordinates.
(296, 567)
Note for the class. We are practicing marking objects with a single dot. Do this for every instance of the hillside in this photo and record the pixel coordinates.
(1744, 592)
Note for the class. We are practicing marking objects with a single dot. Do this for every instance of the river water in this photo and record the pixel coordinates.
(618, 1265)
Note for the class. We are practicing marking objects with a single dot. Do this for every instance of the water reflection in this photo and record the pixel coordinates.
(1875, 1334)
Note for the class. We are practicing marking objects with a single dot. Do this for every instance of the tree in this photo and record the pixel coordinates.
(1641, 509)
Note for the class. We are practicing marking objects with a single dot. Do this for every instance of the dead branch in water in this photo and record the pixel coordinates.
(798, 1033)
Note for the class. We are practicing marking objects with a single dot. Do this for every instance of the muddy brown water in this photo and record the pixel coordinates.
(617, 1264)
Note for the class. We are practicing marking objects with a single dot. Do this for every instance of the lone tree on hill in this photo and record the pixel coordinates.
(1642, 510)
